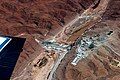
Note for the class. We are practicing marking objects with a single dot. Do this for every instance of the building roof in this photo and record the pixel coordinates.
(9, 56)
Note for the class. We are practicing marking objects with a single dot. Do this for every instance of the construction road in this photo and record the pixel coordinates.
(70, 33)
(62, 37)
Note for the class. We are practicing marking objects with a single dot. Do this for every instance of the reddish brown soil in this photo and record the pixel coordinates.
(35, 18)
(97, 65)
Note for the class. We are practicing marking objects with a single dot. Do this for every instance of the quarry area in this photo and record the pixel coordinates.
(65, 39)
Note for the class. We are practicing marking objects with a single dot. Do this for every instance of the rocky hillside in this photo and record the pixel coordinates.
(36, 19)
(103, 63)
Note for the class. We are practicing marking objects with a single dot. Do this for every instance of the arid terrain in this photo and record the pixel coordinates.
(43, 19)
(98, 65)
(39, 19)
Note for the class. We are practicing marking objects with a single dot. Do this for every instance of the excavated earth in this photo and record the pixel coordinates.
(39, 19)
(97, 66)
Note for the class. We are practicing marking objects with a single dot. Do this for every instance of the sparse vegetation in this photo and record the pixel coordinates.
(9, 6)
(42, 62)
(25, 1)
(49, 25)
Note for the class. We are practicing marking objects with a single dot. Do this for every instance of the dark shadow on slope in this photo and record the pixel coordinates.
(113, 11)
(9, 56)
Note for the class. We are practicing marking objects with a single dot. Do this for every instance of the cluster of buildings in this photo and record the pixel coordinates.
(53, 45)
(87, 43)
(84, 45)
